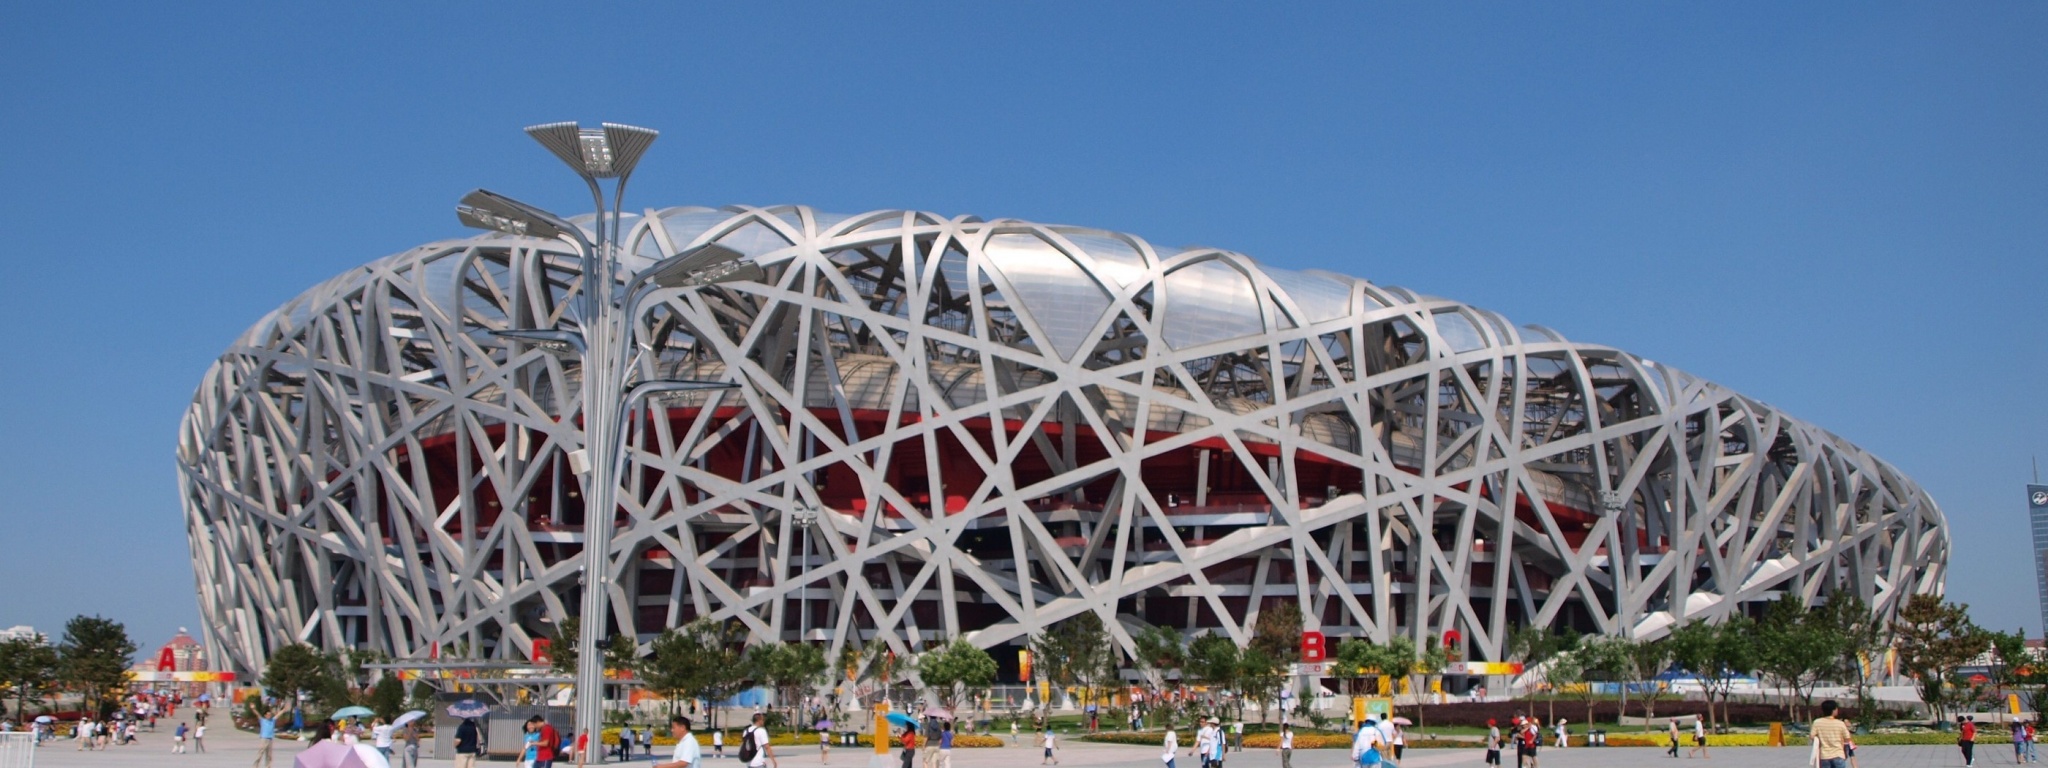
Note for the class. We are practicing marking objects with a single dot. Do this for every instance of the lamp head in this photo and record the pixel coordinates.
(704, 265)
(599, 153)
(484, 209)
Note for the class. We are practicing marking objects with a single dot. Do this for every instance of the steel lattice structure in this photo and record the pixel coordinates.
(995, 425)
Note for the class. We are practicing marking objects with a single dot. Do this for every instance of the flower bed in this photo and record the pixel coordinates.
(801, 739)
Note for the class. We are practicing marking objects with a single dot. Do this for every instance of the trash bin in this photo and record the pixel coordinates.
(1596, 738)
(849, 739)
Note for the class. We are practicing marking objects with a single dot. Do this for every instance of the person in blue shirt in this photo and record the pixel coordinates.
(946, 745)
(266, 734)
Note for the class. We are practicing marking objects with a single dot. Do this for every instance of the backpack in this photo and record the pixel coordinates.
(747, 746)
(1529, 737)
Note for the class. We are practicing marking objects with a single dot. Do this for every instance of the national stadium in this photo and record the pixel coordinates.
(950, 426)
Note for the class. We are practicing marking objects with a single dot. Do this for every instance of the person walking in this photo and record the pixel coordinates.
(718, 742)
(1492, 742)
(757, 735)
(909, 742)
(1966, 739)
(1563, 734)
(2032, 737)
(1172, 744)
(382, 738)
(1699, 737)
(1532, 738)
(1286, 746)
(412, 745)
(199, 735)
(529, 743)
(1013, 731)
(1830, 737)
(1051, 747)
(178, 740)
(647, 742)
(824, 746)
(688, 753)
(1365, 747)
(2019, 742)
(946, 745)
(1201, 746)
(467, 743)
(266, 735)
(1673, 751)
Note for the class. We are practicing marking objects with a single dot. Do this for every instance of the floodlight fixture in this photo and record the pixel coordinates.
(484, 209)
(606, 153)
(703, 265)
(557, 341)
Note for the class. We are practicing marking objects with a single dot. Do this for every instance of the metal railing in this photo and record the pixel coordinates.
(17, 749)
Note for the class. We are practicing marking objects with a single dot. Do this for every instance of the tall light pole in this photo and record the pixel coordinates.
(603, 343)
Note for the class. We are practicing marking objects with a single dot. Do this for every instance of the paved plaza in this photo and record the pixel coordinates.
(234, 749)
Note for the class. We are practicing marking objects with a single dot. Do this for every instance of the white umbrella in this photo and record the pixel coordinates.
(407, 718)
(46, 719)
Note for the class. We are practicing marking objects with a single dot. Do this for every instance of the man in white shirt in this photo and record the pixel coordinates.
(688, 754)
(763, 754)
(1205, 744)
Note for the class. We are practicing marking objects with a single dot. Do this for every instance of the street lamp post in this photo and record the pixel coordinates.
(603, 344)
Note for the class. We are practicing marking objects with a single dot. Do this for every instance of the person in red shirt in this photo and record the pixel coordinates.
(1967, 739)
(550, 745)
(909, 746)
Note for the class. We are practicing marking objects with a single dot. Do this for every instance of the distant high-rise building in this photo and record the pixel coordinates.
(2037, 518)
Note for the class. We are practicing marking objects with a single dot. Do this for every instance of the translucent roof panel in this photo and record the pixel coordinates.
(1209, 301)
(1051, 288)
(1459, 331)
(1320, 298)
(1114, 258)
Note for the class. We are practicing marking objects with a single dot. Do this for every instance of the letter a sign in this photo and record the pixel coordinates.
(1312, 647)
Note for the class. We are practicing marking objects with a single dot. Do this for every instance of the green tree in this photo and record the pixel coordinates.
(1431, 663)
(387, 697)
(1639, 663)
(28, 670)
(1934, 638)
(2009, 658)
(1260, 677)
(1716, 654)
(1599, 660)
(956, 669)
(1864, 640)
(1797, 647)
(298, 669)
(788, 668)
(1277, 633)
(1160, 650)
(1559, 672)
(619, 653)
(93, 659)
(1075, 651)
(703, 659)
(1216, 661)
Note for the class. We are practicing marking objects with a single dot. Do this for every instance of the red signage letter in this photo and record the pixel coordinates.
(1312, 647)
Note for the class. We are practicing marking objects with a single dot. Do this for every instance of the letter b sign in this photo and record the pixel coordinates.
(1312, 647)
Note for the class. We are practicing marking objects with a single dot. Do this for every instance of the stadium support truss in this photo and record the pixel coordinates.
(950, 426)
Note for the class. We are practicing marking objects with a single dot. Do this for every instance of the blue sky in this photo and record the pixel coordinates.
(1841, 210)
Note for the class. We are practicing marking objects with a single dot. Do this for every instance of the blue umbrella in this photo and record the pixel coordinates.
(350, 712)
(468, 708)
(898, 718)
